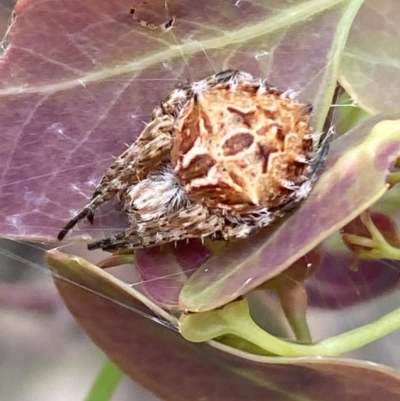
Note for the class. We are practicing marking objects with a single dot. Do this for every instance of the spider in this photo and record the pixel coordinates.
(221, 158)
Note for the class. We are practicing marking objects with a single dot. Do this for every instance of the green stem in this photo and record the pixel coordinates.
(245, 327)
(105, 384)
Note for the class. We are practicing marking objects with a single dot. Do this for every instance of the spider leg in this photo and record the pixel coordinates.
(129, 168)
(149, 157)
(87, 211)
(302, 191)
(192, 222)
(237, 231)
(151, 147)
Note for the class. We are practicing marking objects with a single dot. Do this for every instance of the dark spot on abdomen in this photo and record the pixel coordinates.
(237, 143)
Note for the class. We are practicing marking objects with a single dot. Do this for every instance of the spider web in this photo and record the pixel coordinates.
(270, 56)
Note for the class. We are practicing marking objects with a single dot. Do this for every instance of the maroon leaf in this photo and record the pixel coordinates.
(344, 279)
(164, 271)
(336, 286)
(172, 368)
(78, 79)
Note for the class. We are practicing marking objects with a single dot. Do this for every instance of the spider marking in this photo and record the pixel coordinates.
(221, 158)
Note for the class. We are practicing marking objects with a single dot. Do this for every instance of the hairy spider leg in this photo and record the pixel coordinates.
(153, 145)
(320, 158)
(302, 192)
(193, 222)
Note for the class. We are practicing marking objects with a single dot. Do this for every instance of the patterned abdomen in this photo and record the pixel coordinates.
(241, 147)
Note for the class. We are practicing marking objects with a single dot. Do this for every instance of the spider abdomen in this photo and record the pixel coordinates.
(242, 147)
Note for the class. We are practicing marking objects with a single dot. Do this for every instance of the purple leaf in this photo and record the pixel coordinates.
(354, 178)
(336, 286)
(174, 369)
(163, 272)
(79, 79)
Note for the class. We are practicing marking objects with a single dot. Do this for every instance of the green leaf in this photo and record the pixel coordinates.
(369, 70)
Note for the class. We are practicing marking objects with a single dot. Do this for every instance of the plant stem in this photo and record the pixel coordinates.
(245, 327)
(105, 384)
